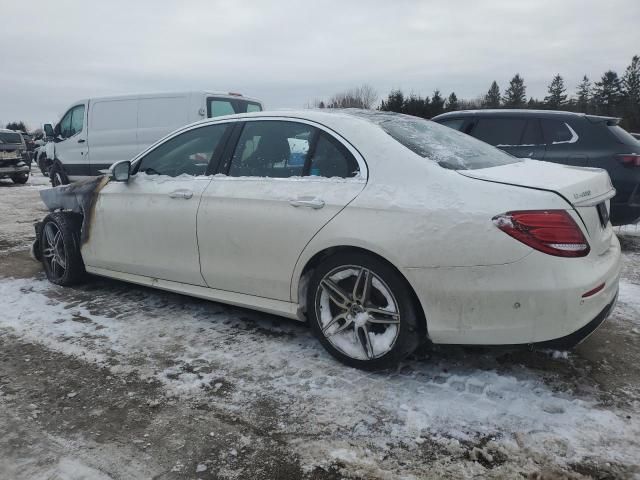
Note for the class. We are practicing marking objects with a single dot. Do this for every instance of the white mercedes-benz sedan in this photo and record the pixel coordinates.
(381, 230)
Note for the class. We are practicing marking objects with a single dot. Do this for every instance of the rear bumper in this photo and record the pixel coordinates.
(573, 339)
(13, 169)
(535, 300)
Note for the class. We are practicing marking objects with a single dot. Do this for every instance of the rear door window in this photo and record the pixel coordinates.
(332, 159)
(273, 148)
(557, 132)
(532, 133)
(500, 132)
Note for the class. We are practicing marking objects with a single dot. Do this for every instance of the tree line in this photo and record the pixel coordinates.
(612, 95)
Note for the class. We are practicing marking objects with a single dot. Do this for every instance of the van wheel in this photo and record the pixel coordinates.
(20, 178)
(60, 248)
(57, 175)
(361, 310)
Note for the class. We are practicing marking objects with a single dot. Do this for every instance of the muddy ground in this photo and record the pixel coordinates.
(110, 380)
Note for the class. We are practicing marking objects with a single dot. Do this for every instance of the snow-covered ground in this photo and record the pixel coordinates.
(212, 391)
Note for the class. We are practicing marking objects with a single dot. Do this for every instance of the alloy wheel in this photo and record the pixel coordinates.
(357, 312)
(53, 253)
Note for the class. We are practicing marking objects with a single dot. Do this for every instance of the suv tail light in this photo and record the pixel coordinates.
(631, 160)
(550, 231)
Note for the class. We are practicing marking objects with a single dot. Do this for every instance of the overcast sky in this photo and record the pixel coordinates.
(289, 52)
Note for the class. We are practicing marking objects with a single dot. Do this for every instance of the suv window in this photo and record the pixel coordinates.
(455, 123)
(557, 131)
(186, 154)
(499, 131)
(271, 148)
(532, 133)
(332, 159)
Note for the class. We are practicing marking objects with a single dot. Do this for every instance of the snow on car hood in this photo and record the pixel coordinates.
(579, 185)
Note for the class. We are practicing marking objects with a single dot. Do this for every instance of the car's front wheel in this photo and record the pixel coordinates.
(60, 248)
(362, 311)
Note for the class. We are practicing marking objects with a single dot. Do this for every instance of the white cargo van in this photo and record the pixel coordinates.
(97, 132)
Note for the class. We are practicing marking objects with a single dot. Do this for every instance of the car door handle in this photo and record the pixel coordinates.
(314, 203)
(186, 194)
(82, 140)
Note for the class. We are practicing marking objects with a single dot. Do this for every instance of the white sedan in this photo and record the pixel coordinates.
(381, 230)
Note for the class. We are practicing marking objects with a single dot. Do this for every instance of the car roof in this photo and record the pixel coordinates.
(520, 112)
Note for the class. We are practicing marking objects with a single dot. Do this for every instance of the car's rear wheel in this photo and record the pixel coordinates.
(20, 178)
(362, 311)
(60, 248)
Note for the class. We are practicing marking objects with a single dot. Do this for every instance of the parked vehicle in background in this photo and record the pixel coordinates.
(563, 137)
(44, 144)
(30, 144)
(382, 230)
(14, 160)
(97, 132)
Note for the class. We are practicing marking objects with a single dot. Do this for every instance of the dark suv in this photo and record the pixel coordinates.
(563, 137)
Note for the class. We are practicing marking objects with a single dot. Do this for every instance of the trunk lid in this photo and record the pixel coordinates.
(584, 188)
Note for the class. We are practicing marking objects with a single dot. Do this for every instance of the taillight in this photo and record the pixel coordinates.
(549, 231)
(630, 160)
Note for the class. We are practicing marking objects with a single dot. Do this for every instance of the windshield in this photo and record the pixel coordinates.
(228, 106)
(449, 148)
(10, 137)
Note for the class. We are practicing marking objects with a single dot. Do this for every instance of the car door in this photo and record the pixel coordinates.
(147, 226)
(520, 137)
(285, 180)
(71, 146)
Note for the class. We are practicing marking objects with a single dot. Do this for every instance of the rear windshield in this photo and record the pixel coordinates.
(623, 136)
(449, 148)
(10, 137)
(217, 107)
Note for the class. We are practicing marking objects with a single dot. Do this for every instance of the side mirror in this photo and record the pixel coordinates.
(48, 130)
(120, 171)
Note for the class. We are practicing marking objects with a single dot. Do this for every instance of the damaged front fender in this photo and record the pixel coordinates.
(79, 197)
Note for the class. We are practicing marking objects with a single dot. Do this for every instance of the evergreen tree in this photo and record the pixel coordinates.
(394, 103)
(516, 95)
(17, 126)
(631, 92)
(437, 104)
(583, 101)
(492, 98)
(557, 93)
(452, 102)
(607, 94)
(534, 103)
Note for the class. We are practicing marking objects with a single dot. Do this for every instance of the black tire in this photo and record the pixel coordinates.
(57, 176)
(408, 334)
(20, 178)
(63, 263)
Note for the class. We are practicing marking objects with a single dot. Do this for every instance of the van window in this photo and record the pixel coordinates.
(77, 120)
(162, 112)
(532, 133)
(65, 125)
(217, 107)
(114, 115)
(500, 132)
(188, 153)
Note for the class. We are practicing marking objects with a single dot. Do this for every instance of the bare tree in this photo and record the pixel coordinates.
(360, 97)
